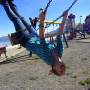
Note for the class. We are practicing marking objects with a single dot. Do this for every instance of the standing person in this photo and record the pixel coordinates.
(51, 56)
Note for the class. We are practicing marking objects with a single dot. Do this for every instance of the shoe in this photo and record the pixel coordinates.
(10, 0)
(0, 1)
(3, 1)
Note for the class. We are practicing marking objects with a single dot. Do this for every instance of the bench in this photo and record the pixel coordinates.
(3, 50)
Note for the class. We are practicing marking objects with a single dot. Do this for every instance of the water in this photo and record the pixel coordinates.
(5, 41)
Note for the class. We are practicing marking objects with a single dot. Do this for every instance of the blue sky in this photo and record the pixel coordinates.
(30, 8)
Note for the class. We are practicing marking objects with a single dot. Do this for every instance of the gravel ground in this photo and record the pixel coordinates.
(31, 73)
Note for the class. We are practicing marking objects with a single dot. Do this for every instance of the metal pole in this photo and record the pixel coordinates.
(65, 40)
(80, 19)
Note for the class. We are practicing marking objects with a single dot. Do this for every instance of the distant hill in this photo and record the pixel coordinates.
(3, 38)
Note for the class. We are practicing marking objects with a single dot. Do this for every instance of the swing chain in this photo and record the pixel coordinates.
(45, 10)
(48, 4)
(72, 5)
(62, 14)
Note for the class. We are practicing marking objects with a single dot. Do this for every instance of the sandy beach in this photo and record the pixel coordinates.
(21, 72)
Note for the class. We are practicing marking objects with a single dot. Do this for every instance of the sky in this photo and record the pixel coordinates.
(30, 8)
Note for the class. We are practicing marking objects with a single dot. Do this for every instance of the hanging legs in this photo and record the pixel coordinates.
(60, 46)
(27, 25)
(19, 26)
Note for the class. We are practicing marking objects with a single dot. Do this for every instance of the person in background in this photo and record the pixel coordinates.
(33, 21)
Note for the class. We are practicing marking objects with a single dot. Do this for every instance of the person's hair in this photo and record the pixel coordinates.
(55, 72)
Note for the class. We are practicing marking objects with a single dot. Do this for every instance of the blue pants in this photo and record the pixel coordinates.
(13, 14)
(27, 25)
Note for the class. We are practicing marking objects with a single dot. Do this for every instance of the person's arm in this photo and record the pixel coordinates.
(61, 27)
(60, 46)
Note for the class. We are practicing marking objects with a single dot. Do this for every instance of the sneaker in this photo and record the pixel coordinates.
(10, 0)
(3, 1)
(0, 1)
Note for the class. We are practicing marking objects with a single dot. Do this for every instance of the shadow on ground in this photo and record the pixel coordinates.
(18, 59)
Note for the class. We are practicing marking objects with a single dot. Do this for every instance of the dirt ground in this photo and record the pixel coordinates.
(31, 73)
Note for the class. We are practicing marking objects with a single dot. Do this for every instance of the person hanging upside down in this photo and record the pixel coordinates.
(50, 53)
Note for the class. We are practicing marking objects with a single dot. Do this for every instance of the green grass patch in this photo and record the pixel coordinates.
(82, 83)
(85, 82)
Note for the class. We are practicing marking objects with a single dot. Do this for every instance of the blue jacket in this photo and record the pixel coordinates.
(43, 49)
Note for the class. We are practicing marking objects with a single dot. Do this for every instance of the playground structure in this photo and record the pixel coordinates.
(73, 28)
(55, 51)
(86, 25)
(70, 26)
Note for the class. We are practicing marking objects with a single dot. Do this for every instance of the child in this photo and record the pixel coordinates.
(38, 45)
